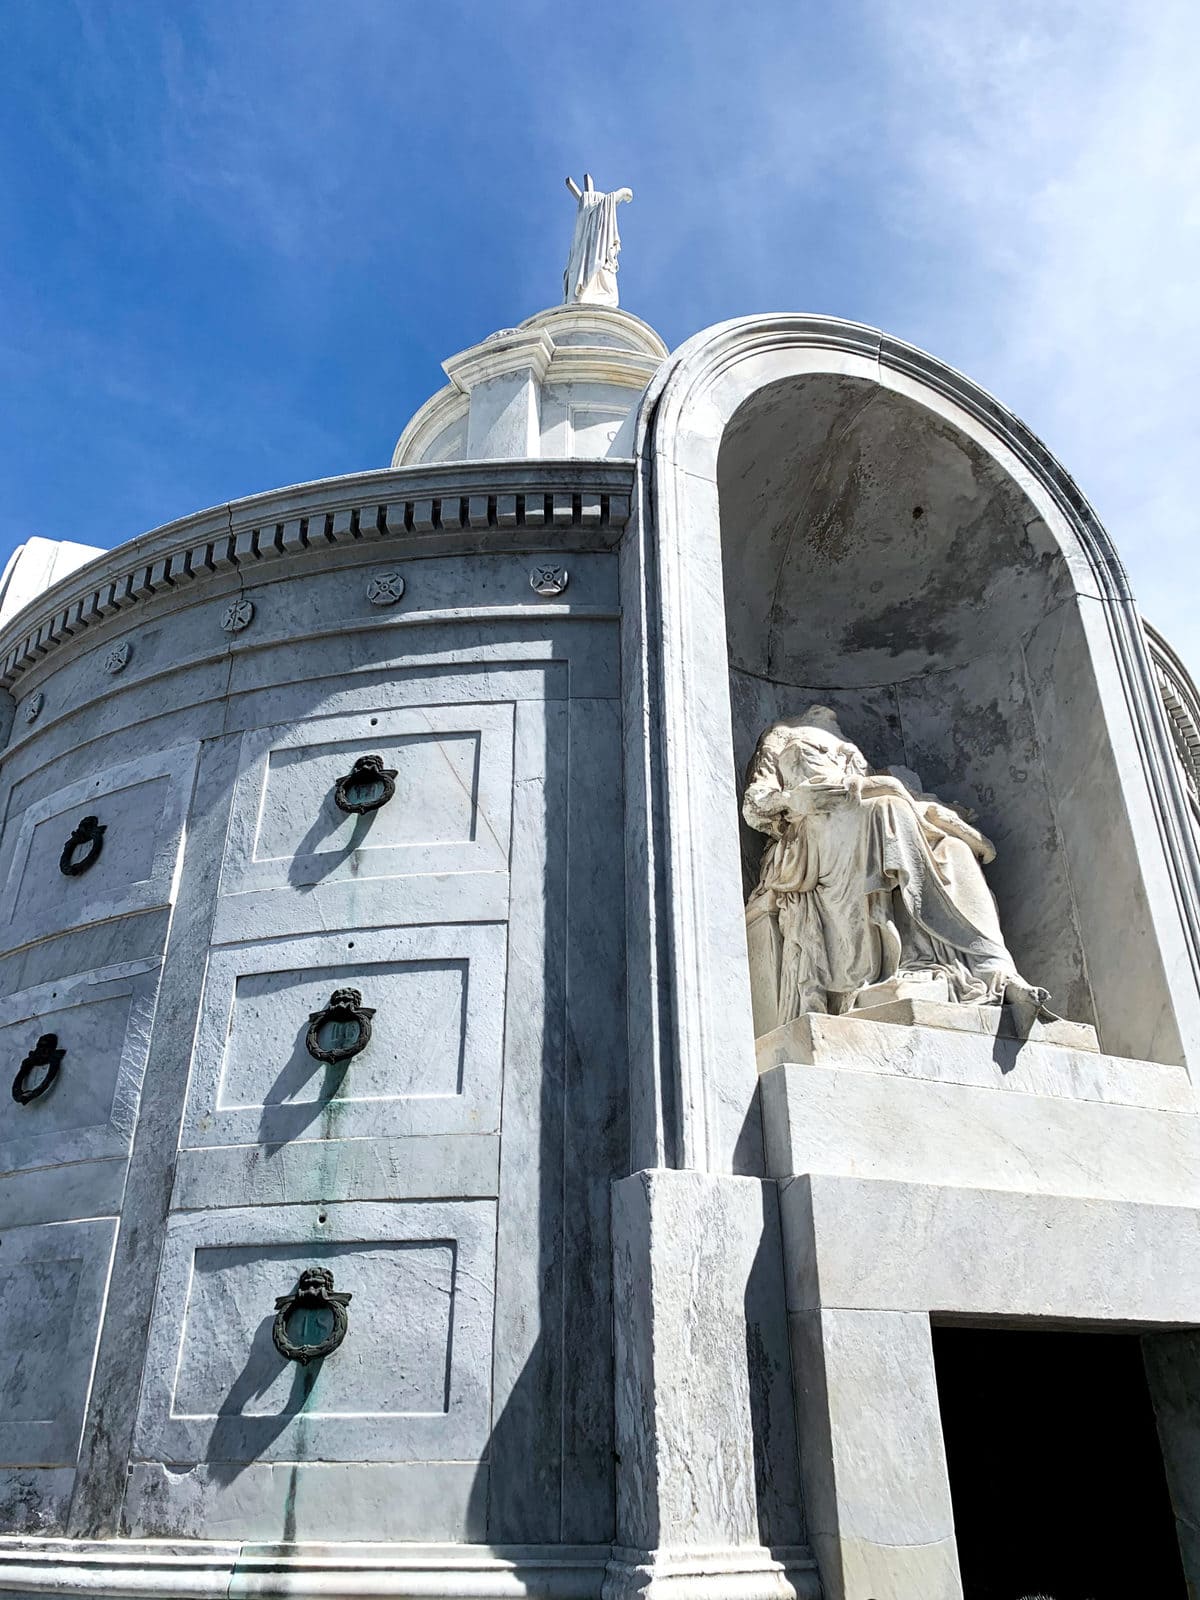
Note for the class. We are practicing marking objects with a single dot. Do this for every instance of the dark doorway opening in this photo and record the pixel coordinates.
(1055, 1469)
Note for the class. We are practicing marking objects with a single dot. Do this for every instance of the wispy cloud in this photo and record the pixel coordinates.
(1052, 152)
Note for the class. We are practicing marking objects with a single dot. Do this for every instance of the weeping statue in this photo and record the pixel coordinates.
(591, 275)
(866, 880)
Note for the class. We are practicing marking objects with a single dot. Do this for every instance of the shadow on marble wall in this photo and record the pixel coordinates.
(778, 1498)
(549, 1467)
(301, 874)
(238, 1438)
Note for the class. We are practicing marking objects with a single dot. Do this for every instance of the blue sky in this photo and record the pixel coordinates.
(237, 239)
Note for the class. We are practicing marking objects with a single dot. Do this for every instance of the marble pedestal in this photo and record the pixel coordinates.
(961, 1105)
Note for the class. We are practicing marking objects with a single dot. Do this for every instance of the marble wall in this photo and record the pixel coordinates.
(192, 1157)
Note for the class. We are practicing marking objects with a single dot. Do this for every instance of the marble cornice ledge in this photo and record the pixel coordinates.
(152, 1569)
(440, 506)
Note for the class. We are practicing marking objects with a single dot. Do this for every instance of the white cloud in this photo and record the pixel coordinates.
(1011, 183)
(1053, 151)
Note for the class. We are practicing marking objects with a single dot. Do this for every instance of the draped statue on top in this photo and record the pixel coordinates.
(865, 880)
(591, 275)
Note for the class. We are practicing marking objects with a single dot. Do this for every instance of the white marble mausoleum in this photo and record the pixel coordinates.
(424, 1174)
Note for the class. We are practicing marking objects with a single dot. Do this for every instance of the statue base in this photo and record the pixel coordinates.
(972, 1047)
(945, 1105)
(905, 986)
(917, 1011)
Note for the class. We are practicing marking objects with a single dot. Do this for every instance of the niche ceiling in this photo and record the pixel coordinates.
(867, 541)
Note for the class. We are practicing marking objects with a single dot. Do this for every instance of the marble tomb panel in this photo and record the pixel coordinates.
(52, 1287)
(140, 806)
(450, 807)
(410, 1380)
(101, 1021)
(432, 1064)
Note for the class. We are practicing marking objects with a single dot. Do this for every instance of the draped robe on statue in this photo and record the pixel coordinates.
(863, 881)
(591, 274)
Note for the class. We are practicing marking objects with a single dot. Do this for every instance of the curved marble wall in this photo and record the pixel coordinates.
(200, 692)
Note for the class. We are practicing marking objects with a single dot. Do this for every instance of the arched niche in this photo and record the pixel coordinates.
(829, 515)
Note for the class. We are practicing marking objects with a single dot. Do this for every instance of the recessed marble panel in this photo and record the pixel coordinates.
(102, 1022)
(431, 1066)
(436, 798)
(140, 805)
(404, 1360)
(52, 1281)
(410, 1380)
(450, 811)
(593, 428)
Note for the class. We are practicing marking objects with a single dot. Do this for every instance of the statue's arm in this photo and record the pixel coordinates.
(765, 801)
(953, 825)
(878, 784)
(767, 807)
(764, 806)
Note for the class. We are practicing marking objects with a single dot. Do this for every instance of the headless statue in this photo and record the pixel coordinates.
(865, 880)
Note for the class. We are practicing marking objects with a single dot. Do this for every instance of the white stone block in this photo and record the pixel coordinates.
(876, 1488)
(874, 1245)
(700, 1367)
(974, 1056)
(870, 1125)
(931, 1010)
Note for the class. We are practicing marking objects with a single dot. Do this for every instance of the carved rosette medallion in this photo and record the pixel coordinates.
(367, 786)
(341, 1030)
(385, 588)
(311, 1321)
(38, 1070)
(33, 706)
(88, 837)
(238, 614)
(117, 658)
(548, 580)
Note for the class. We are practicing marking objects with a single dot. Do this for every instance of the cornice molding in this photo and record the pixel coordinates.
(606, 322)
(450, 504)
(574, 363)
(1181, 701)
(499, 357)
